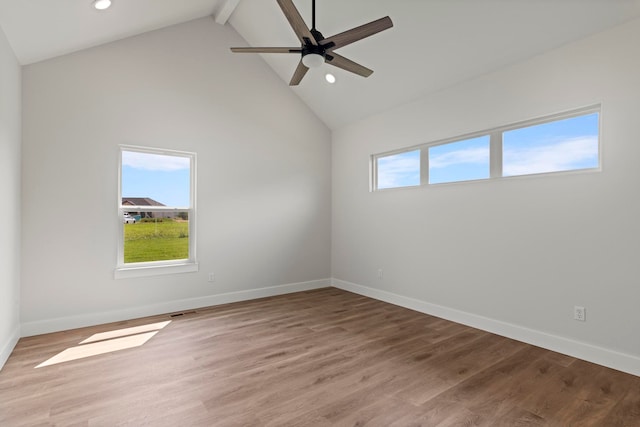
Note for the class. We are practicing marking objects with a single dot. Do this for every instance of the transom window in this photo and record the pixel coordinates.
(558, 143)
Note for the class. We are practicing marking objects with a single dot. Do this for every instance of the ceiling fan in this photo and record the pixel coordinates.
(316, 49)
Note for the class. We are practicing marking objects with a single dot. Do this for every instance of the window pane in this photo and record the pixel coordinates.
(160, 180)
(562, 145)
(399, 170)
(459, 161)
(150, 182)
(159, 236)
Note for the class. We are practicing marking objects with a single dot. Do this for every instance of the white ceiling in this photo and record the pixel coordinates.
(42, 29)
(434, 43)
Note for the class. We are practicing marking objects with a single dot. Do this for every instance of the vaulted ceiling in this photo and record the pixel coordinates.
(433, 44)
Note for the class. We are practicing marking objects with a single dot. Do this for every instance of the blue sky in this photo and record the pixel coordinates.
(561, 145)
(459, 161)
(557, 146)
(165, 179)
(399, 170)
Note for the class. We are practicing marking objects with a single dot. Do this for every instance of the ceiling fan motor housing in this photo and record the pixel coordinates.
(316, 34)
(309, 49)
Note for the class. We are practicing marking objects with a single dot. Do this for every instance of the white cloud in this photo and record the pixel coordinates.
(464, 156)
(154, 162)
(399, 170)
(575, 153)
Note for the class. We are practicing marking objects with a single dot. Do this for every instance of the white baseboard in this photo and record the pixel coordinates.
(581, 350)
(91, 319)
(8, 347)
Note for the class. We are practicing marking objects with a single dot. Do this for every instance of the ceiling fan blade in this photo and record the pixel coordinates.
(266, 49)
(347, 64)
(297, 23)
(301, 70)
(358, 33)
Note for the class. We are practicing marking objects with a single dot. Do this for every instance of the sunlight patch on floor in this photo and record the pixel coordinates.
(125, 332)
(107, 342)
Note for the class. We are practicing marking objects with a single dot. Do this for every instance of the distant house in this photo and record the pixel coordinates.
(146, 201)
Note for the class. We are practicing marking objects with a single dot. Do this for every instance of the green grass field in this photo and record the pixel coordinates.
(156, 241)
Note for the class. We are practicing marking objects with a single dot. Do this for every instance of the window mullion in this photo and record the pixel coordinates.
(495, 155)
(424, 166)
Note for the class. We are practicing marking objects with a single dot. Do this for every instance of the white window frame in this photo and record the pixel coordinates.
(143, 269)
(495, 151)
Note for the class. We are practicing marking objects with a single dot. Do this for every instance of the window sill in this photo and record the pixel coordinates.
(155, 270)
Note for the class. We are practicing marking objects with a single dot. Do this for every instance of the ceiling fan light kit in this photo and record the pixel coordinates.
(315, 49)
(313, 60)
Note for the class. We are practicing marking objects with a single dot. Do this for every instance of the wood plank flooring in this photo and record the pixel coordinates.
(317, 358)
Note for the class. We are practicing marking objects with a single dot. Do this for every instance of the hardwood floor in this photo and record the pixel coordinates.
(318, 358)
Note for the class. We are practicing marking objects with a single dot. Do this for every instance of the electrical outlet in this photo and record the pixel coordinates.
(579, 313)
(212, 277)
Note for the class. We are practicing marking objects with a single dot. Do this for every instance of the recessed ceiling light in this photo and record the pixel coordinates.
(101, 4)
(330, 78)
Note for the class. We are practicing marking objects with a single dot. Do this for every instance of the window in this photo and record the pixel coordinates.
(398, 170)
(559, 143)
(459, 161)
(156, 212)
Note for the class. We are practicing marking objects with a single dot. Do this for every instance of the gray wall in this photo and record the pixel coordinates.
(10, 196)
(512, 255)
(263, 184)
